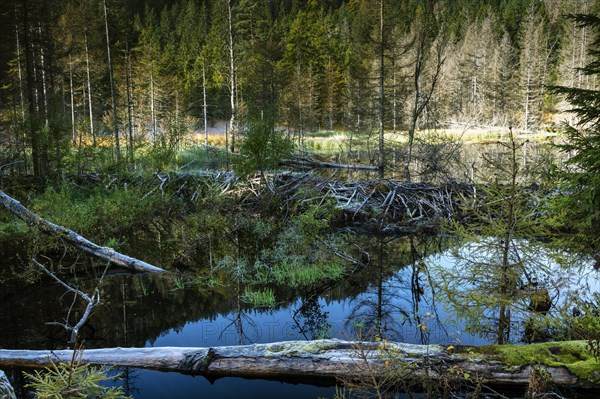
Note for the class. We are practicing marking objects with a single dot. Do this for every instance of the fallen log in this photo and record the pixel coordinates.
(337, 359)
(6, 390)
(78, 241)
(313, 164)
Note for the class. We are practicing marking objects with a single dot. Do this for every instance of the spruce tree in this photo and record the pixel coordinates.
(580, 209)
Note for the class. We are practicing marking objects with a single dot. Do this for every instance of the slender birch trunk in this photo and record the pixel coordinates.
(112, 86)
(232, 78)
(72, 95)
(89, 88)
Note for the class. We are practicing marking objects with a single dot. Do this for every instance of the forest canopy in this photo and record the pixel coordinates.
(314, 64)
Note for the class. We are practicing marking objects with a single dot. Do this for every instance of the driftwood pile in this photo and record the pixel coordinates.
(386, 205)
(390, 204)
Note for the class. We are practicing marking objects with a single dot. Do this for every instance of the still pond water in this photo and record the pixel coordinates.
(392, 296)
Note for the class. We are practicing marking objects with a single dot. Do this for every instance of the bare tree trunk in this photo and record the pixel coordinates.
(232, 77)
(300, 115)
(421, 99)
(129, 102)
(204, 105)
(331, 91)
(381, 162)
(527, 95)
(177, 109)
(311, 114)
(582, 56)
(43, 70)
(73, 131)
(20, 73)
(34, 67)
(113, 94)
(324, 359)
(89, 88)
(37, 152)
(415, 109)
(226, 146)
(152, 105)
(394, 94)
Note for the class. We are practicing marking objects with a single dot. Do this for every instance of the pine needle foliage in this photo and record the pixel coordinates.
(262, 149)
(73, 379)
(497, 275)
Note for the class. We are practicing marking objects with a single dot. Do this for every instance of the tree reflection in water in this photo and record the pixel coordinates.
(400, 285)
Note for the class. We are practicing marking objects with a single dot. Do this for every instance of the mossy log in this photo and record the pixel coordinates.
(510, 365)
(78, 241)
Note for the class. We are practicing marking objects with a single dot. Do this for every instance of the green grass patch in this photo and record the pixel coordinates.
(99, 212)
(199, 157)
(264, 298)
(13, 228)
(286, 273)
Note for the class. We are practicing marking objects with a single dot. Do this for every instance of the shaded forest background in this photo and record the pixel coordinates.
(117, 73)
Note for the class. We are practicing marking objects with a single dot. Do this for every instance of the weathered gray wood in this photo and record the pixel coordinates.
(309, 359)
(80, 242)
(6, 390)
(311, 163)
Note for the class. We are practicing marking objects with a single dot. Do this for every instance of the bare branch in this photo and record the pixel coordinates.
(91, 302)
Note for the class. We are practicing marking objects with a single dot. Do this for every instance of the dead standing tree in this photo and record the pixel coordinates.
(428, 41)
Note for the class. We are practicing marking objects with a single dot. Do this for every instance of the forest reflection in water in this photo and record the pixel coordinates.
(392, 295)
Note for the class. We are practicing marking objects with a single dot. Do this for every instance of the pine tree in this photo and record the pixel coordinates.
(500, 272)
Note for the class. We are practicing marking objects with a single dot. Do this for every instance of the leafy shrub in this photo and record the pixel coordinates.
(262, 149)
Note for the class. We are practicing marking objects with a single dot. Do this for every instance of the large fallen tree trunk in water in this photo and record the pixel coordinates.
(78, 241)
(328, 359)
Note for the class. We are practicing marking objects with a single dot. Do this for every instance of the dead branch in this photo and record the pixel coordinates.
(306, 163)
(92, 302)
(78, 241)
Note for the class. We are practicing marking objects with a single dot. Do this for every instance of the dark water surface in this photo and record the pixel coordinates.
(391, 296)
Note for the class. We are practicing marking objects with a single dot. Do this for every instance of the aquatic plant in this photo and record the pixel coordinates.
(263, 298)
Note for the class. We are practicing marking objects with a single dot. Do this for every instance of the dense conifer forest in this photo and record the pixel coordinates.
(116, 72)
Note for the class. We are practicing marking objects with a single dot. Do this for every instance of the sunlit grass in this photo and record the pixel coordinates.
(327, 142)
(264, 298)
(291, 275)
